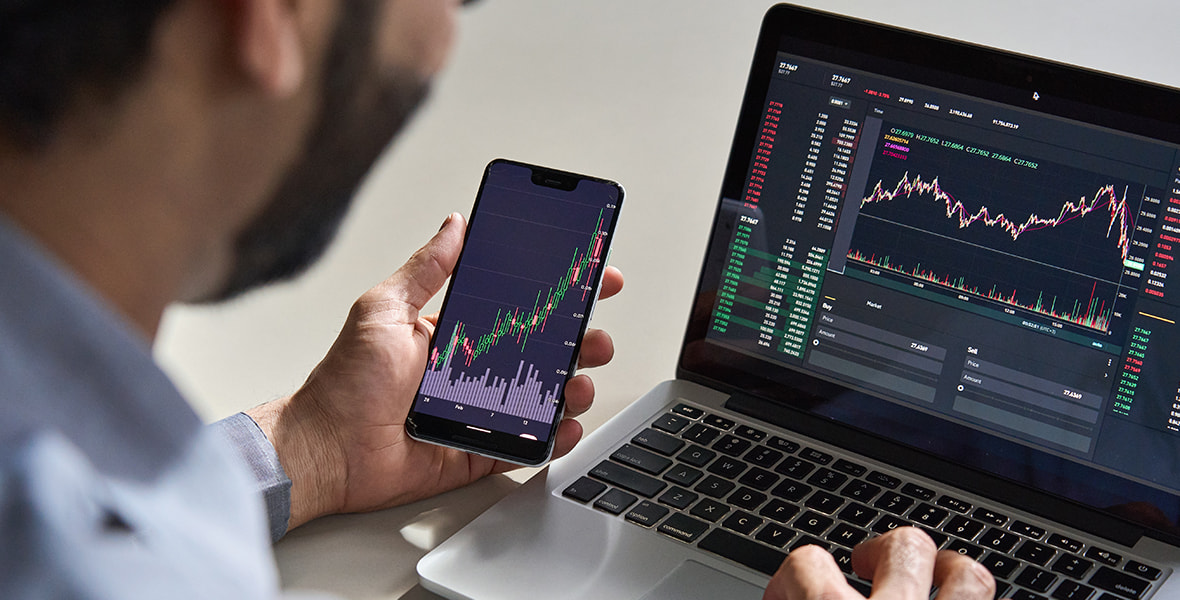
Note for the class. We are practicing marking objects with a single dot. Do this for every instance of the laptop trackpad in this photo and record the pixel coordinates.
(694, 581)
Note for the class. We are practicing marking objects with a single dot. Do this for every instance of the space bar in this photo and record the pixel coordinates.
(756, 556)
(738, 549)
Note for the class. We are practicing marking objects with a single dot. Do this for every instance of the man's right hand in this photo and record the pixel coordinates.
(902, 564)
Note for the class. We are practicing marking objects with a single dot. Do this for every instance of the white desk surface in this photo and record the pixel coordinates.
(644, 92)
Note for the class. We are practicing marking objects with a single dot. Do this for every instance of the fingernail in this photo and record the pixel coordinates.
(445, 221)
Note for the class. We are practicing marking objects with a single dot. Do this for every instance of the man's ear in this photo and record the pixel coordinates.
(268, 45)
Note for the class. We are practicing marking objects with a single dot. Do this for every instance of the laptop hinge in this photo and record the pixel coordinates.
(950, 473)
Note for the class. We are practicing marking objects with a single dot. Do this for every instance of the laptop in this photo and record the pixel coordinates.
(935, 293)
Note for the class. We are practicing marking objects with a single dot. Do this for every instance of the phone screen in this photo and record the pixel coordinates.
(514, 315)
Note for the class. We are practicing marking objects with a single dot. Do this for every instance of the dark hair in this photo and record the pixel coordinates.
(53, 52)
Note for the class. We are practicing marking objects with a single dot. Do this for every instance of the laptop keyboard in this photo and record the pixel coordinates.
(752, 497)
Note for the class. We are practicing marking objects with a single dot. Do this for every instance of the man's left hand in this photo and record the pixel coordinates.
(342, 437)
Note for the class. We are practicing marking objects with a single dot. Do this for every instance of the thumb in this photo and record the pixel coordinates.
(424, 274)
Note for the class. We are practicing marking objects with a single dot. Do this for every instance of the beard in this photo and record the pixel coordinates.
(362, 110)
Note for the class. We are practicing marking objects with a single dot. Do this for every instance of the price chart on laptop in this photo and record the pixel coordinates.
(960, 257)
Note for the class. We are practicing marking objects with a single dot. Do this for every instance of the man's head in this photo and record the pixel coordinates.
(248, 124)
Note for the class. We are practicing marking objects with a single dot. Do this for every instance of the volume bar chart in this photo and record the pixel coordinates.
(524, 396)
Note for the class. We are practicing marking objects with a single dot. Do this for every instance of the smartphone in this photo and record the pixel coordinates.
(515, 311)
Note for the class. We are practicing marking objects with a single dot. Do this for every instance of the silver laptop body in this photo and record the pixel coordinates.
(935, 294)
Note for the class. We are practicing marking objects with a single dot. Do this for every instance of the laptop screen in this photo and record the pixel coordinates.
(961, 250)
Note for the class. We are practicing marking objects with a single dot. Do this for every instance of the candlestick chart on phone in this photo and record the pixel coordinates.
(522, 290)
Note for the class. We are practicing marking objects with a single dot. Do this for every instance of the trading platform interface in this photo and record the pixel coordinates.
(989, 265)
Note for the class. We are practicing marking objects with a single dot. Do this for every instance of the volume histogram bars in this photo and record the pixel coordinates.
(523, 398)
(1094, 314)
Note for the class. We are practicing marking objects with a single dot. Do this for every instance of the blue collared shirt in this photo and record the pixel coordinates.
(110, 486)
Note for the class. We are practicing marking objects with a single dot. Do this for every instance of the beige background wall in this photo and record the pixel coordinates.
(644, 92)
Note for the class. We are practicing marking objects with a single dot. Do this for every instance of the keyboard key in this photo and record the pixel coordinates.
(917, 491)
(683, 527)
(846, 535)
(883, 480)
(759, 479)
(754, 435)
(843, 560)
(719, 422)
(938, 537)
(647, 513)
(714, 486)
(697, 456)
(1035, 579)
(677, 497)
(850, 468)
(807, 540)
(742, 551)
(894, 503)
(731, 445)
(795, 468)
(726, 467)
(813, 523)
(816, 456)
(779, 511)
(763, 456)
(966, 549)
(691, 412)
(1026, 595)
(747, 498)
(628, 479)
(1035, 553)
(791, 491)
(1027, 529)
(786, 446)
(683, 474)
(615, 501)
(671, 423)
(1123, 584)
(1072, 590)
(701, 434)
(888, 523)
(775, 535)
(1000, 566)
(963, 527)
(827, 479)
(658, 441)
(1068, 544)
(742, 522)
(954, 504)
(824, 502)
(1104, 556)
(863, 588)
(709, 510)
(858, 514)
(989, 516)
(641, 459)
(1002, 589)
(1072, 566)
(999, 540)
(861, 491)
(584, 489)
(1142, 570)
(930, 516)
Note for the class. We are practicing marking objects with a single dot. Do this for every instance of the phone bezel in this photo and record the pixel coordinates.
(497, 444)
